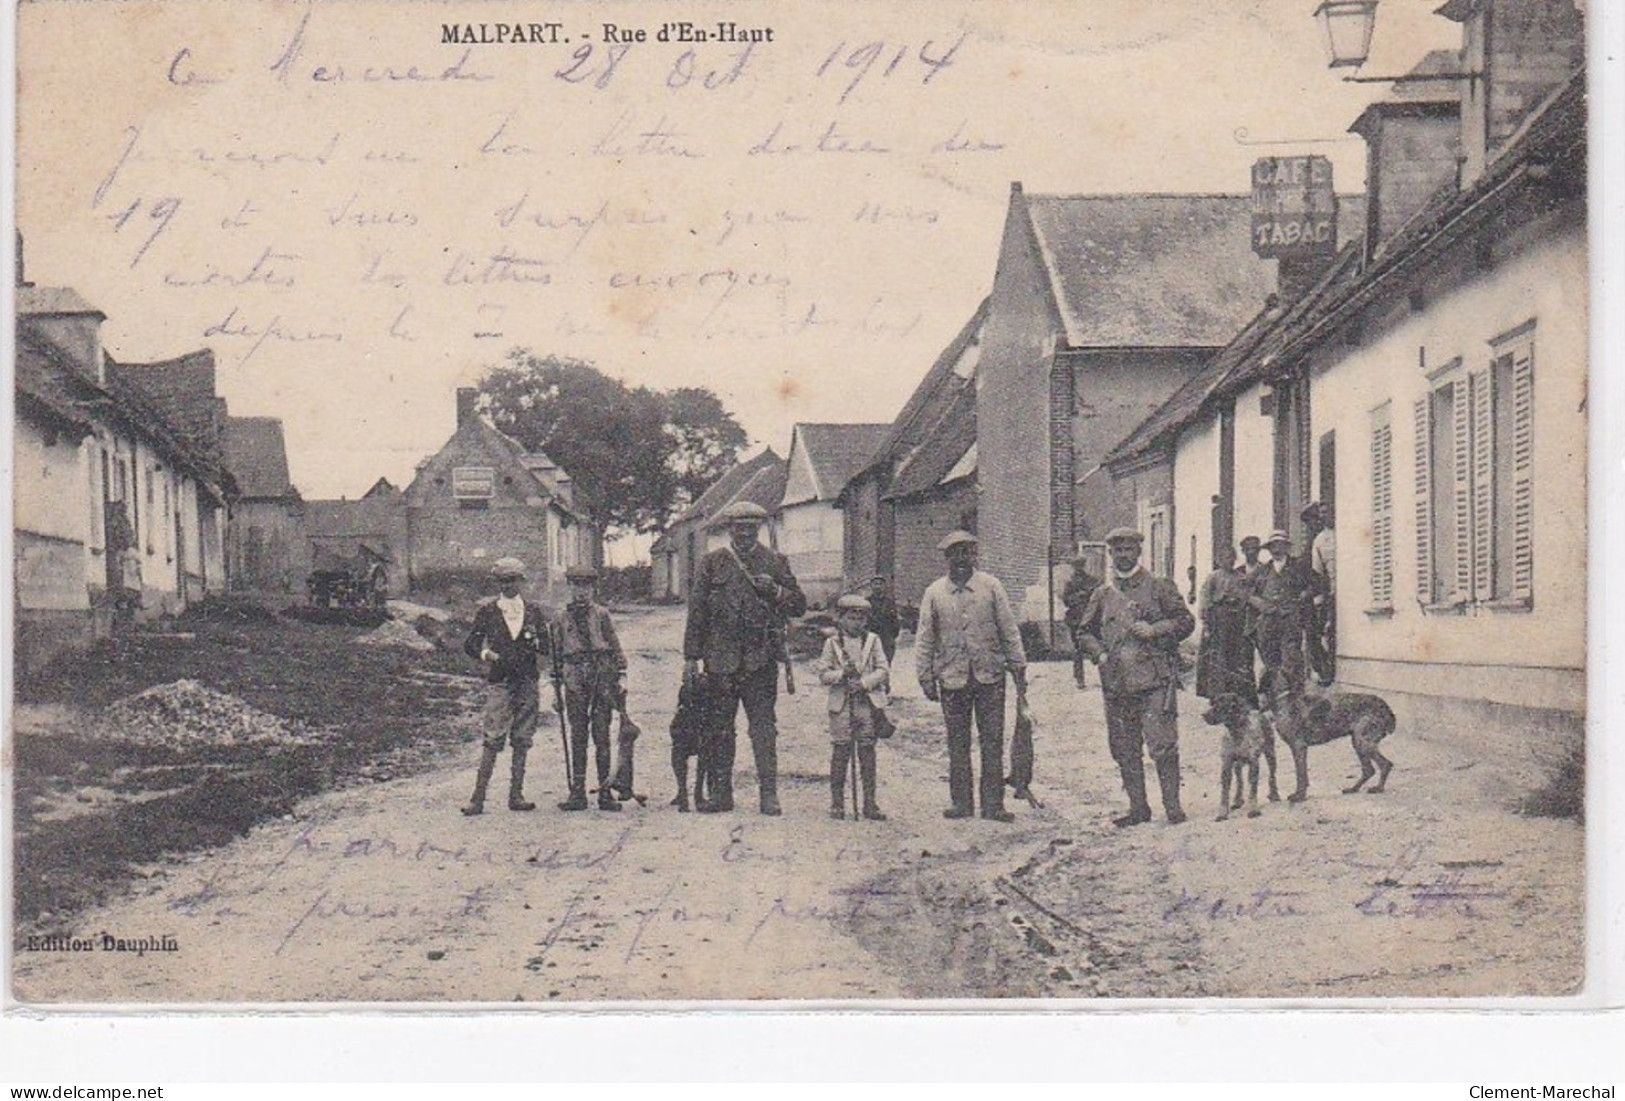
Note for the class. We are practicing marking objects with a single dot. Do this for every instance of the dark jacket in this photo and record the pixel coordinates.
(730, 624)
(1135, 665)
(517, 658)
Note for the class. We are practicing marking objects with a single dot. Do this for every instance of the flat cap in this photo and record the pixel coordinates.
(1278, 537)
(581, 573)
(852, 602)
(1311, 509)
(508, 567)
(1252, 541)
(1124, 535)
(955, 538)
(742, 512)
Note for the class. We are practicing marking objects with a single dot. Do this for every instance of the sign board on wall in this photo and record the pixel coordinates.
(1294, 206)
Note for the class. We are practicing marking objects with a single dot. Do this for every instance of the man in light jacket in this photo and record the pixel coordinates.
(966, 642)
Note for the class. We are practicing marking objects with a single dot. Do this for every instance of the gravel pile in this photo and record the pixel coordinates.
(187, 713)
(393, 632)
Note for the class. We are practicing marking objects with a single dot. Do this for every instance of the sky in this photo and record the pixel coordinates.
(358, 217)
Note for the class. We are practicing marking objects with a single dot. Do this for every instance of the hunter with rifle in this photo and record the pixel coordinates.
(510, 635)
(589, 684)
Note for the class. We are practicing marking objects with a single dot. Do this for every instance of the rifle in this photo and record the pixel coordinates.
(555, 644)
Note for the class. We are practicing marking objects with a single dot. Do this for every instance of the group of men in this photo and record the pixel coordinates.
(968, 647)
(1279, 614)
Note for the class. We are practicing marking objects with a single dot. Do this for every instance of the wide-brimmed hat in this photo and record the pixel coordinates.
(1251, 540)
(1278, 537)
(508, 569)
(956, 538)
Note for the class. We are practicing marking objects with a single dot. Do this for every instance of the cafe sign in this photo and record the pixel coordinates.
(1294, 209)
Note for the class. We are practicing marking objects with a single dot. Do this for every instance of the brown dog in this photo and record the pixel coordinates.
(1365, 720)
(1247, 734)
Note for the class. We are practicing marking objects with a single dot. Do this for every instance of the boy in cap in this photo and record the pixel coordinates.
(509, 635)
(589, 662)
(1132, 628)
(853, 666)
(967, 641)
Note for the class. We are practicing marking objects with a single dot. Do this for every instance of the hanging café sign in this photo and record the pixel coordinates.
(1294, 207)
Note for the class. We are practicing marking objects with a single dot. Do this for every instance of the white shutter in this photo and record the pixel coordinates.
(1523, 466)
(1462, 495)
(1483, 491)
(1424, 503)
(1382, 515)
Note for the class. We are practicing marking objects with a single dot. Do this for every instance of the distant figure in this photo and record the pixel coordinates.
(1079, 588)
(1132, 629)
(1321, 628)
(509, 635)
(1279, 597)
(1224, 663)
(741, 593)
(966, 643)
(592, 668)
(883, 618)
(853, 667)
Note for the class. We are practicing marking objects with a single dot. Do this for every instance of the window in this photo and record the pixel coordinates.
(1382, 508)
(1474, 485)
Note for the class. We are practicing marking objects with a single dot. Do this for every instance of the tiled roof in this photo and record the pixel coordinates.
(950, 438)
(836, 452)
(182, 389)
(952, 373)
(47, 387)
(257, 456)
(766, 487)
(52, 300)
(727, 488)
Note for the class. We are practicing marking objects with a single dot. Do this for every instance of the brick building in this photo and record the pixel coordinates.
(266, 543)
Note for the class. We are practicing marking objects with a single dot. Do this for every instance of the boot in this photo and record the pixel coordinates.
(766, 752)
(578, 796)
(1168, 779)
(866, 766)
(1139, 807)
(482, 780)
(679, 769)
(516, 781)
(840, 759)
(606, 799)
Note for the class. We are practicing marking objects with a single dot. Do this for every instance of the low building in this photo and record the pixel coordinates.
(483, 496)
(677, 553)
(811, 526)
(267, 547)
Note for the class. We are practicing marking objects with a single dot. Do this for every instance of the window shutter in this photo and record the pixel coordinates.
(1462, 496)
(1382, 515)
(1424, 504)
(1523, 465)
(1483, 494)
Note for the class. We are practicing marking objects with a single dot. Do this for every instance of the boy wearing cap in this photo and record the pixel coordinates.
(967, 641)
(1132, 628)
(592, 668)
(853, 667)
(509, 635)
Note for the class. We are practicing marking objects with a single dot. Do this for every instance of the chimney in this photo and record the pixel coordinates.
(1413, 148)
(1526, 50)
(467, 404)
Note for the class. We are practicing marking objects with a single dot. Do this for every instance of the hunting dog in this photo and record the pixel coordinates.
(1303, 721)
(1247, 735)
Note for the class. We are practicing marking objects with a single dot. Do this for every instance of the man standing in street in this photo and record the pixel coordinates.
(592, 670)
(1279, 599)
(1079, 588)
(966, 642)
(1322, 627)
(509, 635)
(1132, 629)
(883, 618)
(742, 595)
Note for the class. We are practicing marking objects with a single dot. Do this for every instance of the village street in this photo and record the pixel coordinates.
(385, 893)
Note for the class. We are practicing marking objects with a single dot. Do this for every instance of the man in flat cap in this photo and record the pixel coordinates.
(742, 594)
(966, 642)
(1279, 597)
(591, 666)
(1132, 628)
(509, 636)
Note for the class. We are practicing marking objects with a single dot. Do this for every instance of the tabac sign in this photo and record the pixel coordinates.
(1294, 207)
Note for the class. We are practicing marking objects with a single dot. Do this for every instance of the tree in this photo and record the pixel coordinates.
(637, 455)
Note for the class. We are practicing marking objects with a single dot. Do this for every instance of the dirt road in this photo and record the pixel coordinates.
(385, 893)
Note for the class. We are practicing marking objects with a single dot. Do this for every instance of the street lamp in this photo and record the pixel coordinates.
(1348, 25)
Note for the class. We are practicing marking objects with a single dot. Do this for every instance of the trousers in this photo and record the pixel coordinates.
(985, 704)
